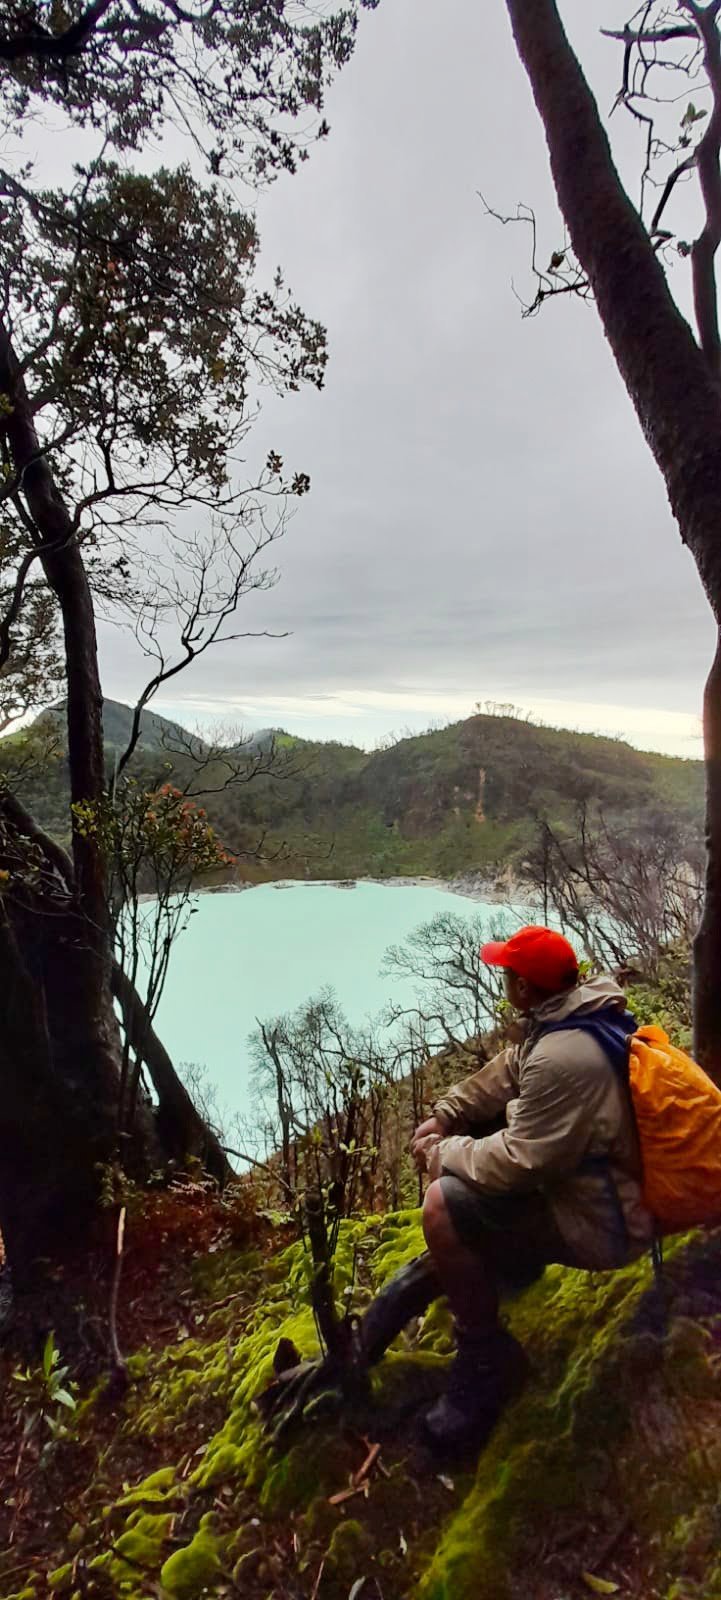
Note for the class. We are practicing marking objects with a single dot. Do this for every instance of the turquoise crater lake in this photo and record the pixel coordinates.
(266, 950)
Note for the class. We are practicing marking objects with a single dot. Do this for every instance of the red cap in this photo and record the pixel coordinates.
(541, 956)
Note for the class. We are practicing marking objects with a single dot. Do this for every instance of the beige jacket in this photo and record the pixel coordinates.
(563, 1104)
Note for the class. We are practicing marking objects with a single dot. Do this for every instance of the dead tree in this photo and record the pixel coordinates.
(625, 891)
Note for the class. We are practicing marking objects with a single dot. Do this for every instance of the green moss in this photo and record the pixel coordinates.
(160, 1486)
(224, 1272)
(544, 1456)
(307, 1469)
(142, 1545)
(189, 1572)
(406, 1379)
(230, 1371)
(551, 1454)
(349, 1548)
(597, 1361)
(138, 1365)
(61, 1579)
(436, 1334)
(687, 1368)
(224, 1461)
(401, 1240)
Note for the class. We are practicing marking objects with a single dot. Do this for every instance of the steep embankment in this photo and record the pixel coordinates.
(603, 1478)
(460, 799)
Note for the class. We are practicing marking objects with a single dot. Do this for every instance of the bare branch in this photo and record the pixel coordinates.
(11, 615)
(668, 188)
(630, 36)
(219, 574)
(563, 275)
(704, 250)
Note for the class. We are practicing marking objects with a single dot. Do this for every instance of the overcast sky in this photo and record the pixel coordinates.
(485, 521)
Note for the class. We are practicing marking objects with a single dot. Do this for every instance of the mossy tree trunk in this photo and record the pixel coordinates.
(59, 1064)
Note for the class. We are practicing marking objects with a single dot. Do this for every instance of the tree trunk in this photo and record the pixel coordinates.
(29, 1105)
(672, 385)
(182, 1130)
(62, 942)
(332, 1334)
(62, 563)
(179, 1128)
(52, 1129)
(285, 1113)
(57, 1112)
(45, 1179)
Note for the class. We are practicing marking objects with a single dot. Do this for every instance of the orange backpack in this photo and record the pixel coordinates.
(677, 1109)
(678, 1115)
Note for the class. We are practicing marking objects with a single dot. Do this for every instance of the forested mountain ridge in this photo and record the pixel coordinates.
(154, 733)
(457, 799)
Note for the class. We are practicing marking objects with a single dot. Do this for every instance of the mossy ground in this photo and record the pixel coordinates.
(607, 1468)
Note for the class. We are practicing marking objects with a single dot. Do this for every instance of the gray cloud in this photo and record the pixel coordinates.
(485, 516)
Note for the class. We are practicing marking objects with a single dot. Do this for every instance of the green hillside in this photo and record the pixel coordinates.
(602, 1478)
(455, 800)
(460, 799)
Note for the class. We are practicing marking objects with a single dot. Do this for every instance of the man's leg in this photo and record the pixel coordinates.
(490, 1365)
(466, 1278)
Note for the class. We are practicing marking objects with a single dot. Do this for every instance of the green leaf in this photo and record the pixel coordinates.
(64, 1399)
(691, 115)
(50, 1355)
(599, 1585)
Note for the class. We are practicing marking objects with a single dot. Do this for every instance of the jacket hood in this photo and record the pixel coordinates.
(593, 994)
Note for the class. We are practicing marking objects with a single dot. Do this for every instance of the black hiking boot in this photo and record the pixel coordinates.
(488, 1371)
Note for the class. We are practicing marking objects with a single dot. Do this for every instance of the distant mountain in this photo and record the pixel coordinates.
(259, 739)
(461, 799)
(156, 732)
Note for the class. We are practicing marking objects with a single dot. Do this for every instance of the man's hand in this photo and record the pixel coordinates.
(427, 1154)
(431, 1125)
(432, 1128)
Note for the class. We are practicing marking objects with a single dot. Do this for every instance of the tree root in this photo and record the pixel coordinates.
(345, 1378)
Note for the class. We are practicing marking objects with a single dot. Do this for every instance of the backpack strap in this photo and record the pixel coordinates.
(612, 1029)
(600, 1167)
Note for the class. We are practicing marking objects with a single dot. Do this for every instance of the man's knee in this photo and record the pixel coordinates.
(437, 1225)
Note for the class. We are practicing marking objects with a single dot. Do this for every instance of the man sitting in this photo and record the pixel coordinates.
(560, 1182)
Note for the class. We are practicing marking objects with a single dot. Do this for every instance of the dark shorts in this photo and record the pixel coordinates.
(515, 1233)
